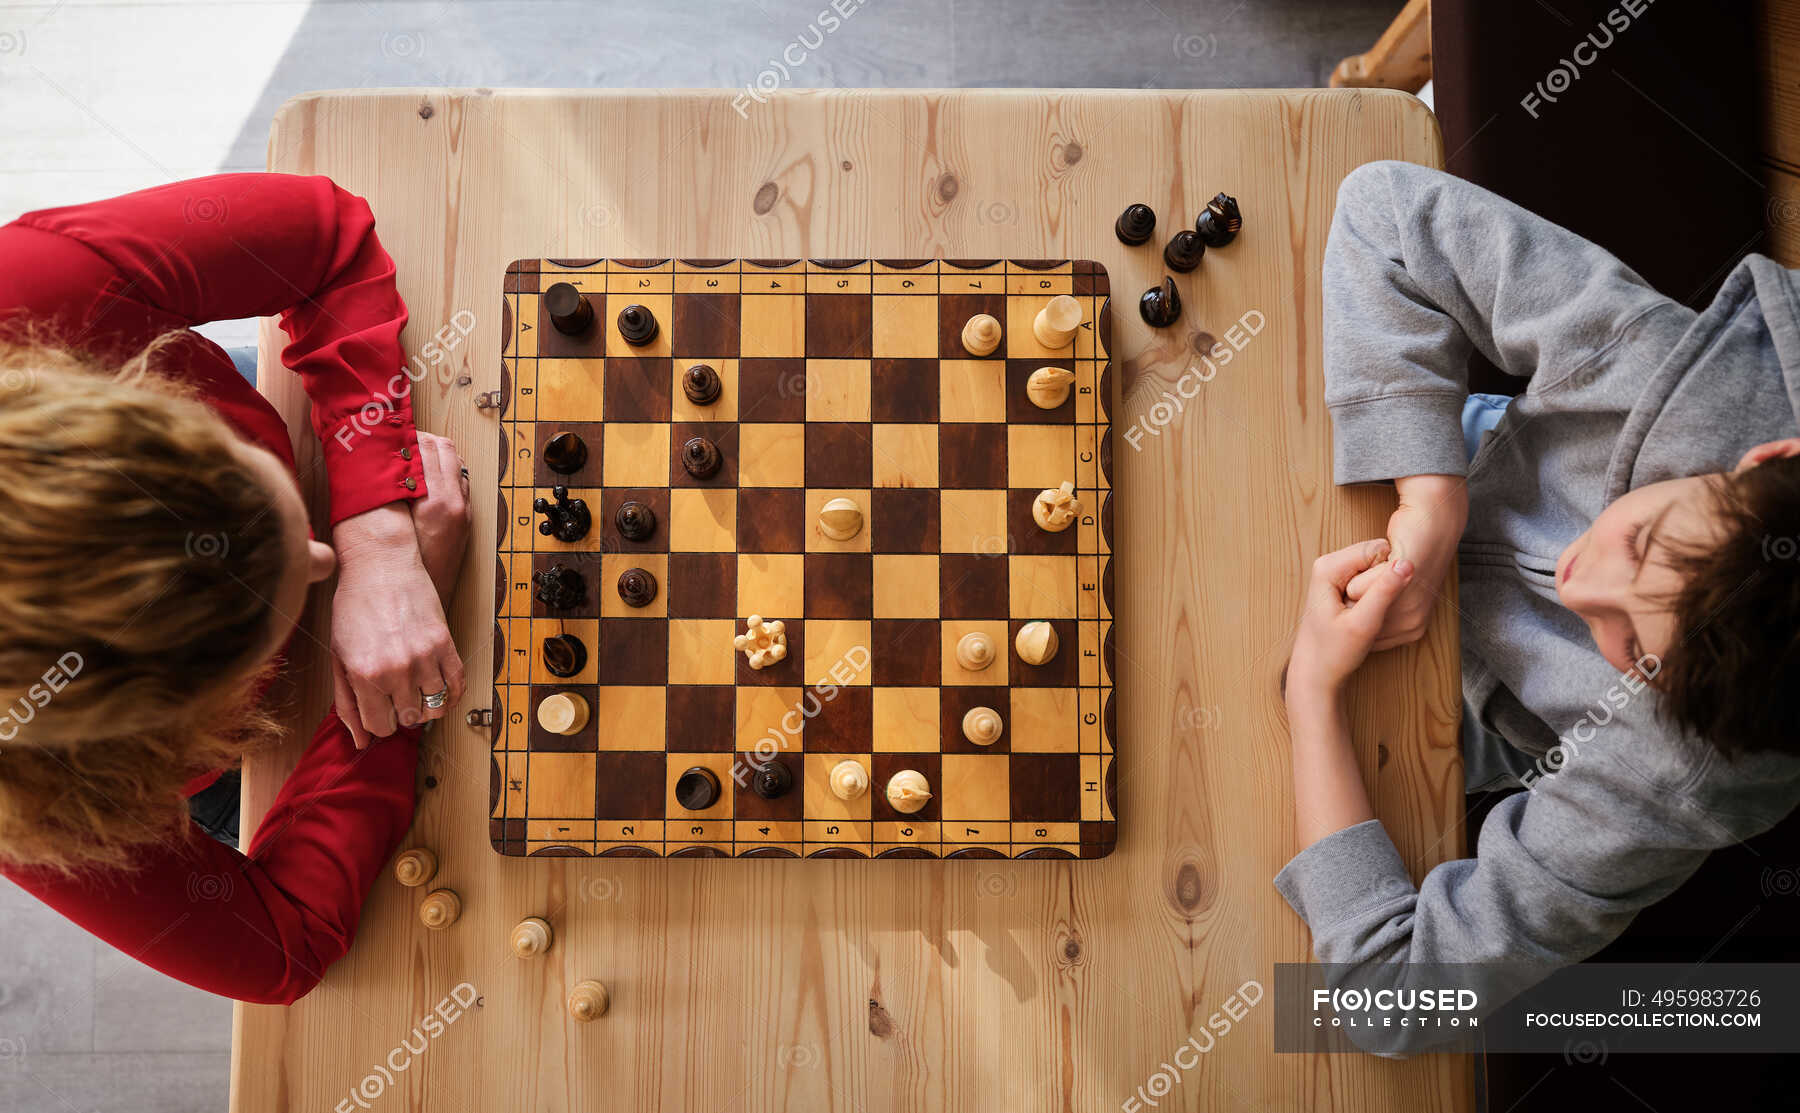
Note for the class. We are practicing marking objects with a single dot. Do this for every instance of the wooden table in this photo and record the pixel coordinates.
(815, 985)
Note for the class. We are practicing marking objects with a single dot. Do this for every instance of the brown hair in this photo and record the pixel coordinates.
(137, 555)
(1733, 674)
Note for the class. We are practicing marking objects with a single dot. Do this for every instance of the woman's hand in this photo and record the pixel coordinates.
(1425, 530)
(1336, 633)
(389, 641)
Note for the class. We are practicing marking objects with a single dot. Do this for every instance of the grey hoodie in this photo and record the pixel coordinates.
(1627, 387)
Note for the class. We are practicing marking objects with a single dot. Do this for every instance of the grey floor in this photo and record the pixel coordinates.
(104, 96)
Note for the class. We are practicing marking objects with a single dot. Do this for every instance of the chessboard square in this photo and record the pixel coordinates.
(906, 585)
(1040, 455)
(772, 389)
(839, 585)
(905, 455)
(634, 651)
(1043, 586)
(905, 326)
(1021, 332)
(700, 650)
(654, 497)
(1063, 669)
(772, 455)
(722, 408)
(1045, 787)
(724, 437)
(841, 725)
(1021, 410)
(633, 717)
(905, 720)
(954, 311)
(904, 390)
(837, 390)
(904, 652)
(773, 325)
(570, 388)
(838, 326)
(838, 454)
(586, 564)
(958, 702)
(702, 718)
(954, 630)
(613, 565)
(1045, 720)
(903, 520)
(704, 326)
(771, 585)
(1023, 533)
(771, 520)
(971, 456)
(884, 766)
(702, 585)
(786, 672)
(972, 390)
(587, 475)
(834, 648)
(971, 586)
(637, 455)
(973, 522)
(627, 785)
(540, 740)
(976, 787)
(658, 305)
(823, 804)
(584, 630)
(816, 498)
(772, 719)
(720, 767)
(790, 805)
(702, 520)
(559, 786)
(636, 388)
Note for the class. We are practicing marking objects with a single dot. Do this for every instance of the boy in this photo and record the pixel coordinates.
(1624, 540)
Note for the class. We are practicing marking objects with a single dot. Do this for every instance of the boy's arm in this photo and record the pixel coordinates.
(1420, 269)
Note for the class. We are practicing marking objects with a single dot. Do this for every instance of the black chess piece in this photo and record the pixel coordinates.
(637, 325)
(1161, 305)
(701, 458)
(565, 453)
(634, 521)
(566, 519)
(1135, 224)
(559, 587)
(570, 312)
(697, 789)
(701, 385)
(1219, 222)
(564, 655)
(1184, 251)
(637, 587)
(772, 780)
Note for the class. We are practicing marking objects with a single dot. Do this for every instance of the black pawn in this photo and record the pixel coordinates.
(566, 519)
(1184, 251)
(1219, 222)
(565, 453)
(701, 385)
(560, 588)
(637, 587)
(772, 780)
(1135, 224)
(1161, 305)
(569, 309)
(637, 325)
(634, 521)
(701, 458)
(697, 789)
(564, 655)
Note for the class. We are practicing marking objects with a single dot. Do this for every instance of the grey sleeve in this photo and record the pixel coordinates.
(1420, 269)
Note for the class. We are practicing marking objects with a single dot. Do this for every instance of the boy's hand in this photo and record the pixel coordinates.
(1336, 633)
(1424, 530)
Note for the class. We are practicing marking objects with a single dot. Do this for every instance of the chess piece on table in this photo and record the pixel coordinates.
(588, 1001)
(565, 453)
(1057, 323)
(564, 655)
(570, 312)
(772, 779)
(700, 458)
(762, 643)
(908, 791)
(634, 521)
(1054, 509)
(975, 651)
(1184, 251)
(849, 780)
(637, 325)
(415, 867)
(1160, 306)
(1135, 225)
(559, 587)
(562, 713)
(532, 937)
(566, 519)
(1219, 222)
(440, 909)
(982, 726)
(1036, 642)
(701, 384)
(1049, 387)
(840, 519)
(981, 335)
(637, 587)
(697, 789)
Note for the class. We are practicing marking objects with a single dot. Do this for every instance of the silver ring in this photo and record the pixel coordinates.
(435, 700)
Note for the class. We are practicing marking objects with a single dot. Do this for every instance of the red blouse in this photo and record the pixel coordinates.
(110, 276)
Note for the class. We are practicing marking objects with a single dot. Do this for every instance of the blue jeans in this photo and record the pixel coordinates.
(244, 359)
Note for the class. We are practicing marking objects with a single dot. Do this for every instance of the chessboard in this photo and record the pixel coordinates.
(688, 444)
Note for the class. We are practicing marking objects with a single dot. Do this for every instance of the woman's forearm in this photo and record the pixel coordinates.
(1328, 788)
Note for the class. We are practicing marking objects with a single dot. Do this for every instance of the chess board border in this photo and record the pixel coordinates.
(1097, 838)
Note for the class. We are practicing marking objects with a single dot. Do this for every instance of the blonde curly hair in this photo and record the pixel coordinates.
(137, 556)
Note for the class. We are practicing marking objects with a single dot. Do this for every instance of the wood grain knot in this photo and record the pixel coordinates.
(881, 1025)
(1381, 755)
(1071, 153)
(766, 196)
(947, 187)
(431, 782)
(1202, 341)
(1189, 889)
(846, 164)
(1071, 950)
(425, 111)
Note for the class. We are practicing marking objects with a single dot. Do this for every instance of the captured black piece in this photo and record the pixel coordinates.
(1161, 305)
(1135, 224)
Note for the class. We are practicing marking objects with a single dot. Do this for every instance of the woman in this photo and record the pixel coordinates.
(155, 556)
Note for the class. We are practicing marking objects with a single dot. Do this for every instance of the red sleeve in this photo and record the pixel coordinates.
(260, 927)
(256, 245)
